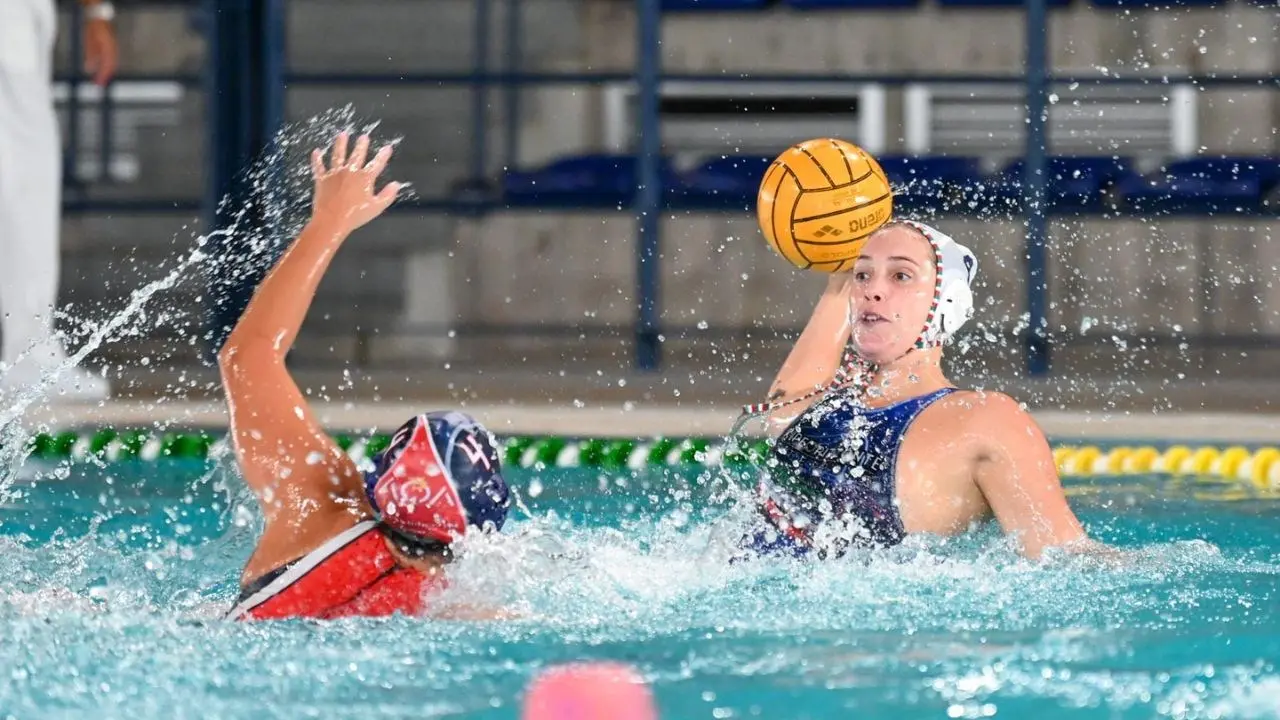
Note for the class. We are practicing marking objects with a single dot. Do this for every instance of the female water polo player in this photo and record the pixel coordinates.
(874, 442)
(338, 542)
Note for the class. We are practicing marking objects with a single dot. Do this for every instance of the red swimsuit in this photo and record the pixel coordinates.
(352, 574)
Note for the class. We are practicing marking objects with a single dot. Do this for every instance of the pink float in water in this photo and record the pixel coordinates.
(587, 691)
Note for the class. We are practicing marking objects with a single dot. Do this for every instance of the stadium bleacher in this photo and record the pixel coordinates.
(741, 5)
(1155, 169)
(587, 181)
(1204, 186)
(950, 184)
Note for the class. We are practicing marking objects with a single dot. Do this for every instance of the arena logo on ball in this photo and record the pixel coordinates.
(871, 221)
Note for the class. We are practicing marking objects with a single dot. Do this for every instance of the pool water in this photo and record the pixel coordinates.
(114, 579)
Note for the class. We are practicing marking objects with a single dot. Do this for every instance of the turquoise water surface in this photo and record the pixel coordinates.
(113, 581)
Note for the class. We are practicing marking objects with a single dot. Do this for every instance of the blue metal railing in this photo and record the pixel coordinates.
(247, 78)
(451, 79)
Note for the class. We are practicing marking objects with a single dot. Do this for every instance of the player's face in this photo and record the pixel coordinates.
(892, 288)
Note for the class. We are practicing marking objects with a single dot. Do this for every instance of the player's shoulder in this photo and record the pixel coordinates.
(987, 405)
(989, 421)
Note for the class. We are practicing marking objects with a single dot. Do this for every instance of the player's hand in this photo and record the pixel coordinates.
(345, 187)
(101, 56)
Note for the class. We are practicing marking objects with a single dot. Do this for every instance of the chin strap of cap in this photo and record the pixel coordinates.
(853, 371)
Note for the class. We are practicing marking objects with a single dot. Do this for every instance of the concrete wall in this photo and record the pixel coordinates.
(1105, 276)
(1108, 279)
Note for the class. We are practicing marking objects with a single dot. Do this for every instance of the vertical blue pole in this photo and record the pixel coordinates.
(480, 93)
(244, 92)
(106, 118)
(1035, 182)
(214, 130)
(270, 96)
(218, 79)
(514, 53)
(649, 197)
(247, 61)
(274, 68)
(71, 160)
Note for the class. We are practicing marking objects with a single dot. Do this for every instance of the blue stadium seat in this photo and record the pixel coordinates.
(1182, 195)
(580, 181)
(1074, 183)
(997, 3)
(923, 184)
(1265, 169)
(848, 4)
(1154, 4)
(725, 182)
(687, 5)
(1203, 186)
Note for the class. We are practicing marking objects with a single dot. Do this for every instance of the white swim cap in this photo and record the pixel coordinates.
(952, 294)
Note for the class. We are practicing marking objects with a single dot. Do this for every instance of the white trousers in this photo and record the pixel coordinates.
(30, 179)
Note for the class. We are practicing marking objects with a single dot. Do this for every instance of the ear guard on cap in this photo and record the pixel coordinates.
(953, 296)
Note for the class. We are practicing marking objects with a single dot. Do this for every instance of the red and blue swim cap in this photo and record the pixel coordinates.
(438, 477)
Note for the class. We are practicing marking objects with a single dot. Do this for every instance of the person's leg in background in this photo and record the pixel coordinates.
(30, 206)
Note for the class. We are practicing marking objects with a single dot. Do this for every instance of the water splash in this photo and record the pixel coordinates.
(112, 594)
(274, 207)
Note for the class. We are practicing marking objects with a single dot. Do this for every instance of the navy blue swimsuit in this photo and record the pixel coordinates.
(831, 477)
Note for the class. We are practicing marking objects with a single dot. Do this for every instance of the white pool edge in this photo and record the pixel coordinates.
(643, 421)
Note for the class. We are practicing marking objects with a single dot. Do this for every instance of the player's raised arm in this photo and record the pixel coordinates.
(286, 457)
